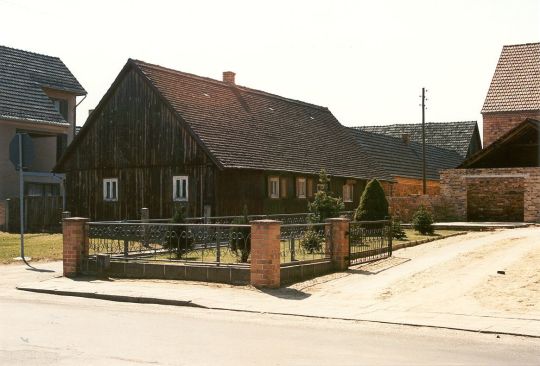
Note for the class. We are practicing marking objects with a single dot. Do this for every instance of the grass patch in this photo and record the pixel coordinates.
(413, 235)
(37, 246)
(226, 256)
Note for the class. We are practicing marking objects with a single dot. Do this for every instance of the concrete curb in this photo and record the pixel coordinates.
(189, 303)
(423, 241)
(117, 298)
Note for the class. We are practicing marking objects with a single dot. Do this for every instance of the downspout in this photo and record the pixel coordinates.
(75, 114)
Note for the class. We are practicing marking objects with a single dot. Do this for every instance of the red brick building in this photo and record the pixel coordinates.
(502, 181)
(514, 93)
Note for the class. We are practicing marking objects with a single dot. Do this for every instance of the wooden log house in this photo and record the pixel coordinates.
(162, 138)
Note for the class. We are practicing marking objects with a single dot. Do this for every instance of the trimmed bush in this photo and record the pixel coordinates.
(240, 238)
(311, 241)
(373, 204)
(325, 205)
(423, 221)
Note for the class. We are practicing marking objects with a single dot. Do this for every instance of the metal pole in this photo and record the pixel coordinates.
(21, 196)
(423, 142)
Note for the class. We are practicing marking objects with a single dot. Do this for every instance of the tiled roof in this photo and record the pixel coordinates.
(405, 159)
(456, 136)
(251, 129)
(516, 83)
(23, 75)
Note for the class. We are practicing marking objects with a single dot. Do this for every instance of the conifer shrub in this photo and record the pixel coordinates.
(397, 230)
(423, 221)
(373, 204)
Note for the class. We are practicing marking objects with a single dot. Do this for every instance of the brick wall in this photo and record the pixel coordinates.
(408, 186)
(458, 186)
(488, 198)
(497, 124)
(403, 208)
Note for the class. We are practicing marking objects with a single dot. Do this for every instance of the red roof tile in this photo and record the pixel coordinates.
(516, 83)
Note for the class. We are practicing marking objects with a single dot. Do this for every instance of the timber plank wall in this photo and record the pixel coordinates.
(136, 138)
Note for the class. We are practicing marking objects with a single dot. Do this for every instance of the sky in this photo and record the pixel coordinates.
(365, 60)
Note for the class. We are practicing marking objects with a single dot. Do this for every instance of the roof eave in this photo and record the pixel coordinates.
(34, 121)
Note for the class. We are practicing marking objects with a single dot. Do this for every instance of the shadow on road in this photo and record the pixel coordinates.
(34, 269)
(287, 293)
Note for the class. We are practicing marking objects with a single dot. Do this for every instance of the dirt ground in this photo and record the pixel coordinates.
(455, 275)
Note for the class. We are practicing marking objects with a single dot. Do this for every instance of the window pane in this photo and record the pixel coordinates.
(177, 189)
(113, 190)
(184, 188)
(108, 190)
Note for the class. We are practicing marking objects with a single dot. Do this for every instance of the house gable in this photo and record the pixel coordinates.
(519, 147)
(133, 136)
(23, 77)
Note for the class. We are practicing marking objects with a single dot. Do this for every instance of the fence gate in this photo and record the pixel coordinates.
(369, 241)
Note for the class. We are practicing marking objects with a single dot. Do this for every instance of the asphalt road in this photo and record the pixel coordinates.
(37, 329)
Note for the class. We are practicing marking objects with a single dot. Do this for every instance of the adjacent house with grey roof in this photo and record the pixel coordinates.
(463, 137)
(161, 138)
(37, 96)
(402, 158)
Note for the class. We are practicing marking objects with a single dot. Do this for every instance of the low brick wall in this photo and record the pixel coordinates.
(303, 271)
(229, 274)
(264, 269)
(403, 208)
(493, 191)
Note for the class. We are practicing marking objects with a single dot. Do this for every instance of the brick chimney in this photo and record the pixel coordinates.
(228, 77)
(406, 138)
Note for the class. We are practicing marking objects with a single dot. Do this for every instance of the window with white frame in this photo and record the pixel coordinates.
(301, 187)
(348, 193)
(273, 187)
(180, 188)
(110, 189)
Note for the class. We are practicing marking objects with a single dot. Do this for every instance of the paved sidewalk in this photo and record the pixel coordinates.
(287, 301)
(439, 284)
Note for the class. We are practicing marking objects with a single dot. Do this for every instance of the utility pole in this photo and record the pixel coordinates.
(424, 190)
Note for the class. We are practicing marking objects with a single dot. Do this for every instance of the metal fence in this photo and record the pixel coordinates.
(302, 242)
(296, 218)
(210, 243)
(369, 241)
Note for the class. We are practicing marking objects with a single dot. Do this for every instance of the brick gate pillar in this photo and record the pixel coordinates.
(75, 244)
(339, 233)
(265, 253)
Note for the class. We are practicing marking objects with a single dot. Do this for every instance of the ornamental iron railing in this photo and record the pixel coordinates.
(304, 242)
(211, 243)
(369, 241)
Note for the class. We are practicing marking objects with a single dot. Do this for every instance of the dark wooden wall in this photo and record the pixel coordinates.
(236, 188)
(136, 138)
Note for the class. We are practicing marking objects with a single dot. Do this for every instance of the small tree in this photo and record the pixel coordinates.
(397, 230)
(325, 205)
(179, 238)
(373, 204)
(240, 238)
(423, 221)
